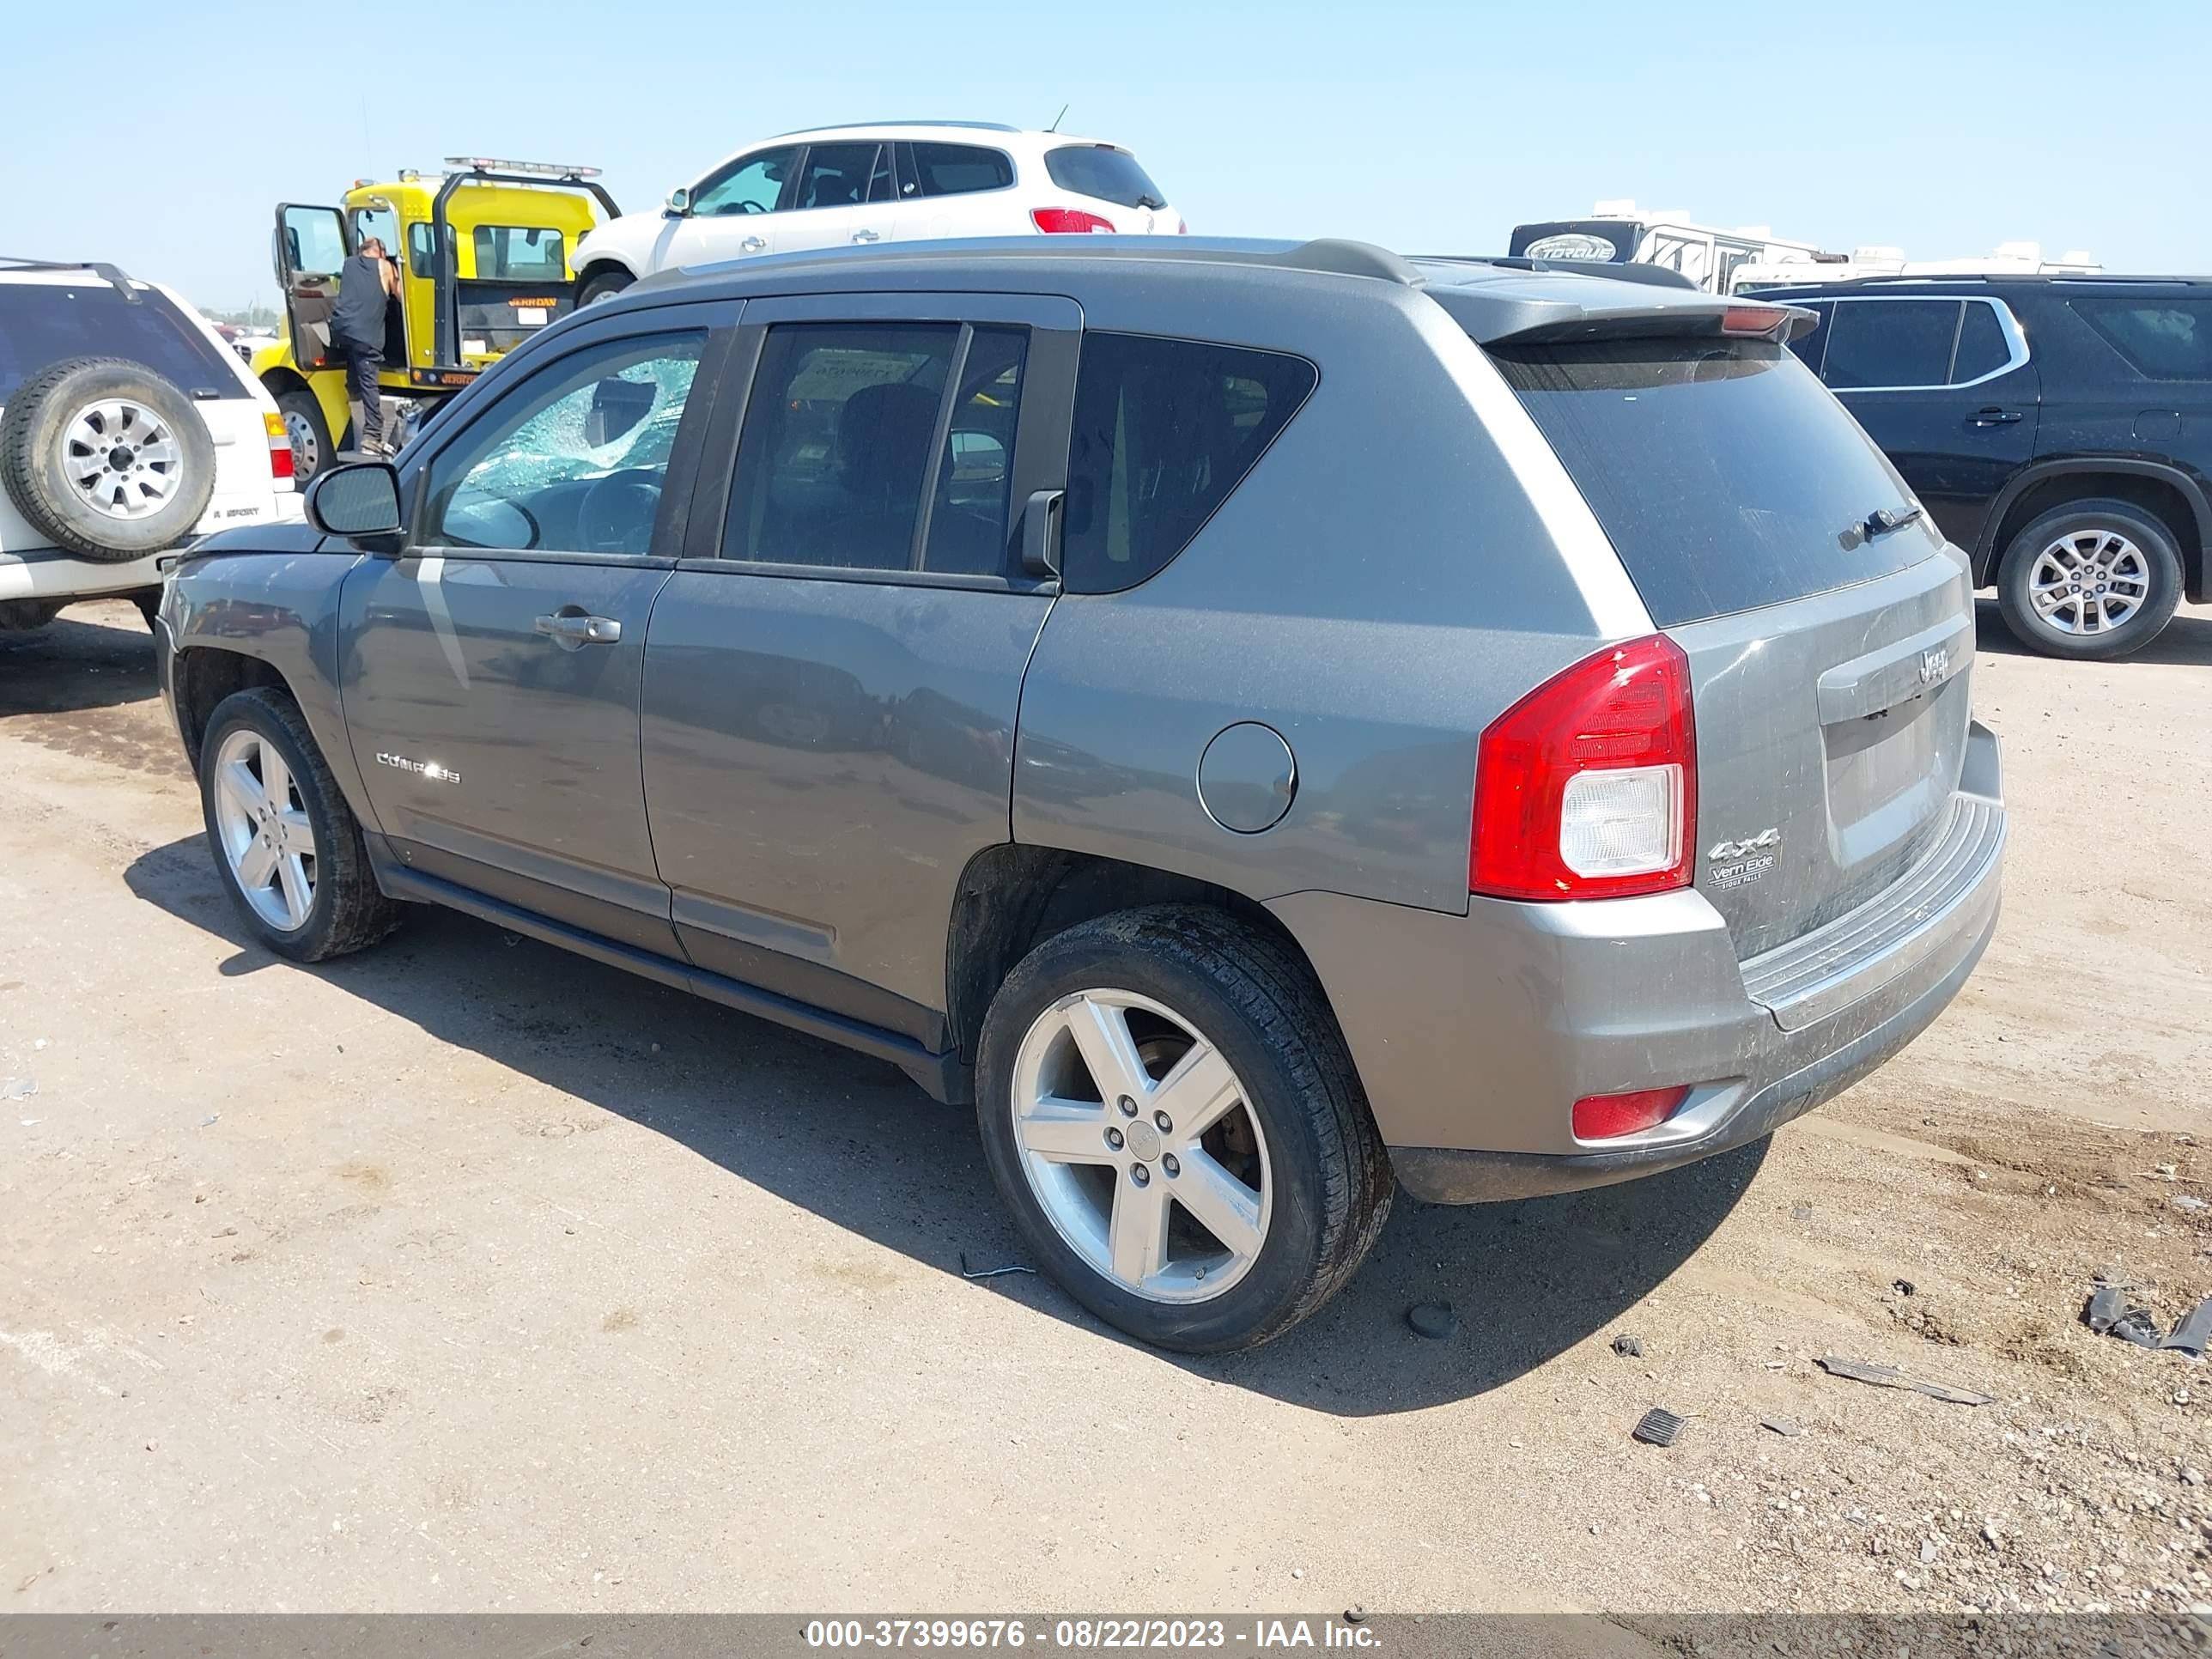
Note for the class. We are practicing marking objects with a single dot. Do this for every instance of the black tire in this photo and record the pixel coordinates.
(603, 284)
(2162, 559)
(23, 616)
(34, 434)
(1249, 995)
(348, 912)
(301, 409)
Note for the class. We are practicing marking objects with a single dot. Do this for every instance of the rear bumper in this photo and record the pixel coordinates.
(59, 576)
(1475, 1034)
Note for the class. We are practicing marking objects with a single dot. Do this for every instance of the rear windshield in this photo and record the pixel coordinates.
(1725, 476)
(1105, 174)
(2166, 339)
(43, 323)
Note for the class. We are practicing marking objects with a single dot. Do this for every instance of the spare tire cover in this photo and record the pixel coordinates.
(105, 457)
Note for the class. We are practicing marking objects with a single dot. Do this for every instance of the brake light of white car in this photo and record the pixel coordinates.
(1064, 220)
(1588, 787)
(280, 445)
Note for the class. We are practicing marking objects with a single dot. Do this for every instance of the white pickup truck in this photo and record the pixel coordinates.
(127, 429)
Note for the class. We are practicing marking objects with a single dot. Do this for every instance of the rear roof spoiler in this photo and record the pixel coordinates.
(1500, 301)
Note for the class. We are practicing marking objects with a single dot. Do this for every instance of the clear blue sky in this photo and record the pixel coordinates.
(1940, 127)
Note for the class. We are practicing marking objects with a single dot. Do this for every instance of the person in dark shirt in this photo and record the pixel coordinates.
(367, 284)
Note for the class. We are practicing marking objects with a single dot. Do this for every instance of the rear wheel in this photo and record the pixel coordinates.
(1169, 1112)
(310, 433)
(287, 844)
(2090, 580)
(602, 285)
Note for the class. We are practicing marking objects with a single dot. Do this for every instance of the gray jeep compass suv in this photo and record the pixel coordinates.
(1269, 724)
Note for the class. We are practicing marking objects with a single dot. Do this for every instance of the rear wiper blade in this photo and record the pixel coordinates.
(1883, 519)
(1152, 202)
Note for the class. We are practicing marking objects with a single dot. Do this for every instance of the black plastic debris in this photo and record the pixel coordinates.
(1433, 1319)
(1657, 1428)
(2107, 1303)
(1902, 1287)
(2194, 1331)
(1781, 1425)
(1889, 1376)
(1628, 1347)
(2136, 1325)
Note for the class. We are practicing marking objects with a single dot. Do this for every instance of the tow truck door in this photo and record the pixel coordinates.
(311, 246)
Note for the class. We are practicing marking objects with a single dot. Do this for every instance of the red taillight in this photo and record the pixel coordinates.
(1060, 222)
(280, 445)
(1753, 319)
(1181, 227)
(1588, 787)
(1605, 1117)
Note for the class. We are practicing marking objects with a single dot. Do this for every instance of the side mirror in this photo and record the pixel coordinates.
(679, 202)
(1040, 523)
(359, 501)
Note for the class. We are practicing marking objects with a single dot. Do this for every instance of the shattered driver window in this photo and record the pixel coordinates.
(572, 459)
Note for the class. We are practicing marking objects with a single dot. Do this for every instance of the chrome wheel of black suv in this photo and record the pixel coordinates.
(2092, 580)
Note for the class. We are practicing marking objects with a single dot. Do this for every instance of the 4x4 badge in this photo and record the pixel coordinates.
(1721, 851)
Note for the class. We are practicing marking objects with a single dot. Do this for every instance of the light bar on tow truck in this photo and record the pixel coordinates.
(530, 169)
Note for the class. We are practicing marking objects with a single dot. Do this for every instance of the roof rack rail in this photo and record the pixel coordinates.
(854, 126)
(113, 276)
(1341, 257)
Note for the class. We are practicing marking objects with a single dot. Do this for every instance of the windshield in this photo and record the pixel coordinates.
(1105, 174)
(1726, 476)
(42, 323)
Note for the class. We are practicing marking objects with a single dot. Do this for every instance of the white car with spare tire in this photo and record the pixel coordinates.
(127, 429)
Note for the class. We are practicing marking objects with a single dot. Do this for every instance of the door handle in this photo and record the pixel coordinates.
(753, 244)
(1994, 417)
(865, 236)
(571, 629)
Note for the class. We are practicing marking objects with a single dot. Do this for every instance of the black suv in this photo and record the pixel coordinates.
(2059, 429)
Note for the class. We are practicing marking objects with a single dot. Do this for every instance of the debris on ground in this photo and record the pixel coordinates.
(1628, 1347)
(2194, 1330)
(18, 1088)
(2136, 1325)
(1889, 1376)
(2107, 1303)
(1902, 1287)
(1781, 1425)
(988, 1272)
(1657, 1427)
(1434, 1319)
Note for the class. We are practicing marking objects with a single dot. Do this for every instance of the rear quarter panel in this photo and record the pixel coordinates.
(1378, 588)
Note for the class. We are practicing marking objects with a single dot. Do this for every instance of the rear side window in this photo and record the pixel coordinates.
(1890, 342)
(1982, 347)
(959, 170)
(43, 323)
(1725, 476)
(2166, 339)
(1104, 173)
(1164, 430)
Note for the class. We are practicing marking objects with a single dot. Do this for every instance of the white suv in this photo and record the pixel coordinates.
(127, 427)
(896, 182)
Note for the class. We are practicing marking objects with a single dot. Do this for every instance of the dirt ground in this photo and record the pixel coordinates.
(465, 1274)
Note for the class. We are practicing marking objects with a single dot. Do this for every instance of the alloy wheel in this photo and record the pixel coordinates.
(1141, 1145)
(268, 840)
(122, 458)
(2088, 582)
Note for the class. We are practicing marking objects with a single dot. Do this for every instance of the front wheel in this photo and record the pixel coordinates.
(1169, 1110)
(602, 285)
(309, 433)
(2090, 580)
(287, 846)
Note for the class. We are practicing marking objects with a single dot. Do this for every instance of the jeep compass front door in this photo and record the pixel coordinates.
(491, 673)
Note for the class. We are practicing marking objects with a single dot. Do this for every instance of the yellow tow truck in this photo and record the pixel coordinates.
(483, 250)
